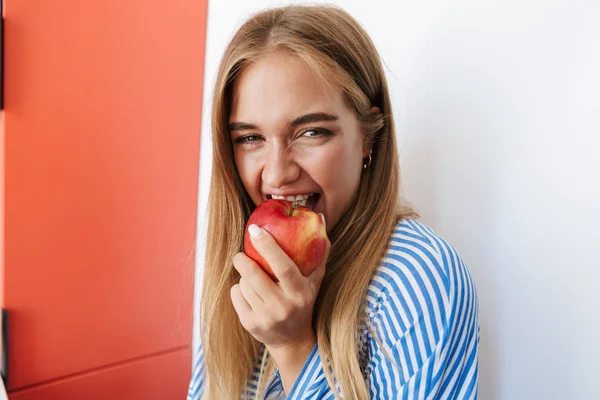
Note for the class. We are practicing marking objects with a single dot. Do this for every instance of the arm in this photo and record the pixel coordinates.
(308, 382)
(311, 383)
(426, 320)
(290, 362)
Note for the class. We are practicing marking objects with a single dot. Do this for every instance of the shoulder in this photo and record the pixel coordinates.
(420, 277)
(421, 311)
(421, 258)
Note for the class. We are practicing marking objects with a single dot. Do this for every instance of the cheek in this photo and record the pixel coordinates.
(241, 166)
(336, 170)
(247, 170)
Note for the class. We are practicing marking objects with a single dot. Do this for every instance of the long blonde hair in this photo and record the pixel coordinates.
(342, 56)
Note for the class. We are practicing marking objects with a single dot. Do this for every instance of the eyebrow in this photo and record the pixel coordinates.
(305, 119)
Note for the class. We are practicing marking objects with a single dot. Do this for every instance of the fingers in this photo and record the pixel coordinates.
(282, 265)
(240, 304)
(251, 296)
(255, 284)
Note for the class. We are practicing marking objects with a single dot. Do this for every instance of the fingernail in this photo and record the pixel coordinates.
(254, 230)
(323, 219)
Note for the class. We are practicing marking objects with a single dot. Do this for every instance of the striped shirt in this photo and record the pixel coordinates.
(421, 304)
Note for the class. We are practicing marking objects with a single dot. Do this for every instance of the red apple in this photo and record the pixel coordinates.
(298, 230)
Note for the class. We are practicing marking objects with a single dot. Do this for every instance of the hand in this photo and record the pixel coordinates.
(278, 314)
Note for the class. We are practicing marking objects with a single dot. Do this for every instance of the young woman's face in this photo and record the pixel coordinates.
(291, 138)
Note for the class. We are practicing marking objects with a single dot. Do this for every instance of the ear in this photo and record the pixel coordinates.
(368, 143)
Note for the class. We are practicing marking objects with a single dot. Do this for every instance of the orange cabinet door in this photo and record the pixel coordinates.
(102, 129)
(158, 377)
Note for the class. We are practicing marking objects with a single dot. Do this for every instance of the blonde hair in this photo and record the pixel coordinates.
(342, 56)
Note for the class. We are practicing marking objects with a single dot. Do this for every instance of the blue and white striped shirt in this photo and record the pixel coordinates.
(422, 306)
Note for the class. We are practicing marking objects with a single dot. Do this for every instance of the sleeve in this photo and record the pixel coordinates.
(424, 324)
(311, 383)
(196, 388)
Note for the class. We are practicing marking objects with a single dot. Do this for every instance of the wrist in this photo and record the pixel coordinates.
(291, 353)
(290, 360)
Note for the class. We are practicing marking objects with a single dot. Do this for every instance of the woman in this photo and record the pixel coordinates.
(301, 107)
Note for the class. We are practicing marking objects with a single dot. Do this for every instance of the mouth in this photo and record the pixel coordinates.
(304, 200)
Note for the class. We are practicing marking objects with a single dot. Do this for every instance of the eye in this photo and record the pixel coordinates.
(248, 139)
(314, 133)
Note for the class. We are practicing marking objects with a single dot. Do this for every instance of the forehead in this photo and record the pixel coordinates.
(280, 86)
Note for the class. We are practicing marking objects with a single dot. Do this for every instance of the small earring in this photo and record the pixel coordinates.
(367, 165)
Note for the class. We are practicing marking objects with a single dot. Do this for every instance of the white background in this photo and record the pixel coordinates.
(497, 106)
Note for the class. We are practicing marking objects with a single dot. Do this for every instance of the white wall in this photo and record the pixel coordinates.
(497, 106)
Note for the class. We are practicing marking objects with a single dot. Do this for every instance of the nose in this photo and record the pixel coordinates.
(279, 168)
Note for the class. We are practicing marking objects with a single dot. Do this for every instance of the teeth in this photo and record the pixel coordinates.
(299, 197)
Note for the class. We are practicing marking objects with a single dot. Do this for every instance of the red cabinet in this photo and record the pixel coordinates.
(101, 145)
